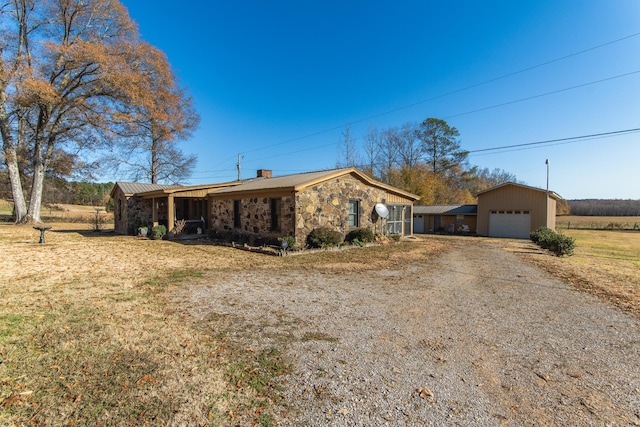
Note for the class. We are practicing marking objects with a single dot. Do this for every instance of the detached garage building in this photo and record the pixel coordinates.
(515, 210)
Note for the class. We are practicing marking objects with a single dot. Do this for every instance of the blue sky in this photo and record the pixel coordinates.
(277, 81)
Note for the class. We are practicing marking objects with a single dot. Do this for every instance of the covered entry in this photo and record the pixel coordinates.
(515, 224)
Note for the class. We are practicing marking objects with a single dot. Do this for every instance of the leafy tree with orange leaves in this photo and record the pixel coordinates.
(149, 130)
(69, 70)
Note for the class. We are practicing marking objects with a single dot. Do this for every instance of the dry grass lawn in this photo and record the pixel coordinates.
(606, 264)
(88, 335)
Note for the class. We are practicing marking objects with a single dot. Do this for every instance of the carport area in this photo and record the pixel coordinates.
(444, 218)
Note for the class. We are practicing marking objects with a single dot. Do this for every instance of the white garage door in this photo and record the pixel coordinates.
(515, 224)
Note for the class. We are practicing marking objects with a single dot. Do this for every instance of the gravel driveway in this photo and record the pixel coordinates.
(474, 336)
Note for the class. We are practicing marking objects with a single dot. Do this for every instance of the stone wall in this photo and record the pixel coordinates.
(327, 205)
(255, 216)
(138, 209)
(120, 212)
(322, 205)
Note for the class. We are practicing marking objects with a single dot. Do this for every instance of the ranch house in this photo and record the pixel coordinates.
(268, 206)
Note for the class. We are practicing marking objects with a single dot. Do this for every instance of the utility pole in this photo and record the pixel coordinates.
(238, 165)
(546, 162)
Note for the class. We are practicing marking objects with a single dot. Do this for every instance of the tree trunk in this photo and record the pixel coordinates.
(41, 153)
(11, 160)
(154, 160)
(35, 202)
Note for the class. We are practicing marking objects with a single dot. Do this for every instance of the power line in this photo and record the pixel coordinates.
(471, 111)
(550, 141)
(504, 76)
(553, 92)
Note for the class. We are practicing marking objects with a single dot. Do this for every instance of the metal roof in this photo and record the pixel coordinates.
(294, 182)
(301, 180)
(139, 187)
(552, 194)
(286, 181)
(446, 210)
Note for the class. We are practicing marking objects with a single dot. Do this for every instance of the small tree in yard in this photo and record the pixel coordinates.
(557, 243)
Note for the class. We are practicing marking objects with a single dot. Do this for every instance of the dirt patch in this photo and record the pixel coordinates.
(474, 336)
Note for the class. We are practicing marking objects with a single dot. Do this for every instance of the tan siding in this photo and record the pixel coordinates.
(394, 199)
(200, 194)
(511, 197)
(249, 194)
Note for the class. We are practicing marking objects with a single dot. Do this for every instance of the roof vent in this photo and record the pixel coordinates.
(264, 173)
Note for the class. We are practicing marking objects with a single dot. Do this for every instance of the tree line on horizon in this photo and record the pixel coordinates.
(604, 207)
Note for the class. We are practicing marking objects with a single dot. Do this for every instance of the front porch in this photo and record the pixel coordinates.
(170, 210)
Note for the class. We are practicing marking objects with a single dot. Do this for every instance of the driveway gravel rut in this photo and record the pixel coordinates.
(475, 336)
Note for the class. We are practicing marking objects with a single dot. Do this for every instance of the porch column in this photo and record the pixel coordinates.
(154, 212)
(171, 217)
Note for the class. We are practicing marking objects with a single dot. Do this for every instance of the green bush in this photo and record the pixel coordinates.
(563, 245)
(322, 237)
(158, 232)
(542, 235)
(363, 235)
(557, 243)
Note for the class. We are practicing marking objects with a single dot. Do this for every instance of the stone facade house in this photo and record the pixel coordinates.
(267, 206)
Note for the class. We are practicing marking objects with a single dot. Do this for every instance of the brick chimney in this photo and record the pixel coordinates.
(264, 173)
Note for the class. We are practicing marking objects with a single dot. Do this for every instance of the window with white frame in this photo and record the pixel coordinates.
(394, 221)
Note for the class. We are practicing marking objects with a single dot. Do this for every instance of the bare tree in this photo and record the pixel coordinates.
(150, 130)
(410, 148)
(388, 153)
(486, 178)
(371, 147)
(348, 154)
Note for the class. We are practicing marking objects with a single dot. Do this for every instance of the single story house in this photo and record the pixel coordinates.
(515, 210)
(449, 218)
(140, 204)
(267, 206)
(507, 210)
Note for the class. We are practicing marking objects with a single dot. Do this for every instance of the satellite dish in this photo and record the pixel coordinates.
(382, 210)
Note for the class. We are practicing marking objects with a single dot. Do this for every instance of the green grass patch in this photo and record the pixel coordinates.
(254, 378)
(116, 357)
(318, 336)
(10, 325)
(614, 245)
(161, 282)
(68, 367)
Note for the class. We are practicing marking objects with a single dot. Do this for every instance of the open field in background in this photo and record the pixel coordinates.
(566, 222)
(65, 213)
(5, 207)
